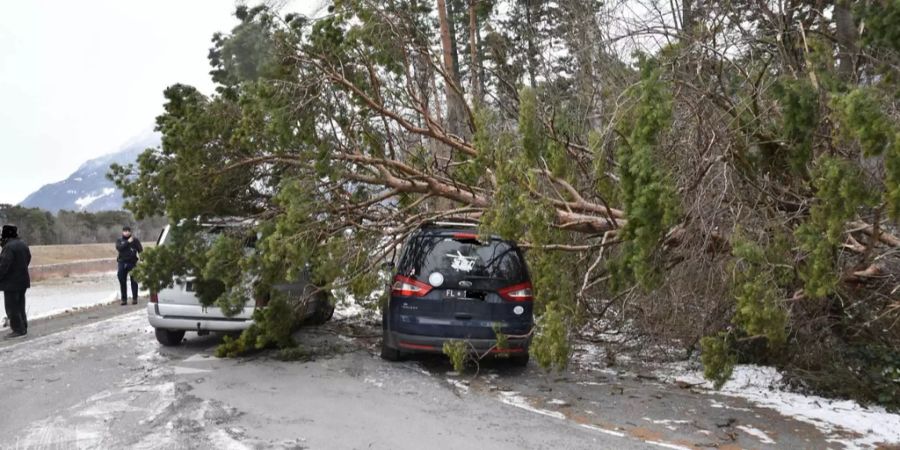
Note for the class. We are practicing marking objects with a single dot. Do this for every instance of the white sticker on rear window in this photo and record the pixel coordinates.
(462, 263)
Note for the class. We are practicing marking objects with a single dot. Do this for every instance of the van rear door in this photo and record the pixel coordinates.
(181, 299)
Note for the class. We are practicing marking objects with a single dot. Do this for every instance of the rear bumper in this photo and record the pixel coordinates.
(195, 322)
(412, 343)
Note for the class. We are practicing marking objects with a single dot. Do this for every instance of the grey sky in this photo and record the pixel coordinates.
(79, 78)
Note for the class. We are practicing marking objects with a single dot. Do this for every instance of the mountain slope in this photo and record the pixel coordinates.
(87, 189)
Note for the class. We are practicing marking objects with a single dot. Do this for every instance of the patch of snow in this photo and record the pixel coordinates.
(178, 370)
(764, 387)
(90, 424)
(757, 433)
(347, 309)
(85, 201)
(669, 423)
(589, 356)
(602, 430)
(665, 421)
(54, 346)
(513, 398)
(557, 402)
(350, 308)
(221, 439)
(197, 358)
(459, 385)
(417, 368)
(667, 445)
(374, 382)
(77, 179)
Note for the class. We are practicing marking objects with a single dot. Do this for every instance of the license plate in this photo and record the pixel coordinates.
(451, 293)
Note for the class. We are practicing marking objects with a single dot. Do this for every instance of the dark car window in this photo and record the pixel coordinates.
(459, 259)
(209, 234)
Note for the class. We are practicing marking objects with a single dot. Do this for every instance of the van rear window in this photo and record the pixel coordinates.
(463, 258)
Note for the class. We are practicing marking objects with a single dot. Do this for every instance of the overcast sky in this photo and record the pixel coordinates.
(80, 78)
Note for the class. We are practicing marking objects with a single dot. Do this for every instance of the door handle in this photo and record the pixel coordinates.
(463, 316)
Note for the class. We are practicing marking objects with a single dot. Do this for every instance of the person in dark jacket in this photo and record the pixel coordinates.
(129, 248)
(14, 280)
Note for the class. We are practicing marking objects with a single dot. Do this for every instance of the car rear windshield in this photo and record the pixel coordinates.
(463, 258)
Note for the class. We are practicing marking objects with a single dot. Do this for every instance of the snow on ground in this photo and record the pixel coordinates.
(461, 386)
(87, 336)
(757, 433)
(51, 297)
(349, 308)
(763, 386)
(513, 398)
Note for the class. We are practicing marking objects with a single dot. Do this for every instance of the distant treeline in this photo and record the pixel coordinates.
(40, 227)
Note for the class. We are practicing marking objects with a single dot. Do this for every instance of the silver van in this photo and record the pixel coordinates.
(177, 309)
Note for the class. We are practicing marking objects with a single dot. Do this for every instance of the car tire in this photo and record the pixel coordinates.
(324, 312)
(519, 360)
(390, 353)
(169, 338)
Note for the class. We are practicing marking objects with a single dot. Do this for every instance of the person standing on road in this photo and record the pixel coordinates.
(14, 280)
(129, 248)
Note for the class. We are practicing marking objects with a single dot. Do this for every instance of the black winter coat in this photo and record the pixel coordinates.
(128, 251)
(14, 261)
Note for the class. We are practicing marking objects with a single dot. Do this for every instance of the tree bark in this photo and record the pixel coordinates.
(846, 36)
(453, 89)
(475, 64)
(455, 122)
(688, 19)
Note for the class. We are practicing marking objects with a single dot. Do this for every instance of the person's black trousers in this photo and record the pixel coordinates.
(15, 310)
(124, 269)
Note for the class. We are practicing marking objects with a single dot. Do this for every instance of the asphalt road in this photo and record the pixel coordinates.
(98, 379)
(108, 384)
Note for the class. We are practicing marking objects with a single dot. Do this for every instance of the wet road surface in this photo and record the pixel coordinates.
(101, 381)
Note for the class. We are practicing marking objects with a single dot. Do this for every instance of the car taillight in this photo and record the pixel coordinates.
(154, 297)
(518, 292)
(408, 287)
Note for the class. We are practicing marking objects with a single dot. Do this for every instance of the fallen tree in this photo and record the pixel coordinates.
(732, 188)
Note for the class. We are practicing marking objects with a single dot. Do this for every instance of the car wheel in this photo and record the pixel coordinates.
(520, 360)
(324, 312)
(169, 338)
(390, 353)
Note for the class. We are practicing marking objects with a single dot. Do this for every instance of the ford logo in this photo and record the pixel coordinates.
(465, 283)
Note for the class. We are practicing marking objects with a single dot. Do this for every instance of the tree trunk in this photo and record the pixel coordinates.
(846, 36)
(454, 123)
(688, 18)
(475, 63)
(455, 105)
(532, 51)
(451, 28)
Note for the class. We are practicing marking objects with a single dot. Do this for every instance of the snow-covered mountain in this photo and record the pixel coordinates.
(88, 189)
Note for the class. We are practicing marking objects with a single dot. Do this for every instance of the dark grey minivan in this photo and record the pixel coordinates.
(449, 284)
